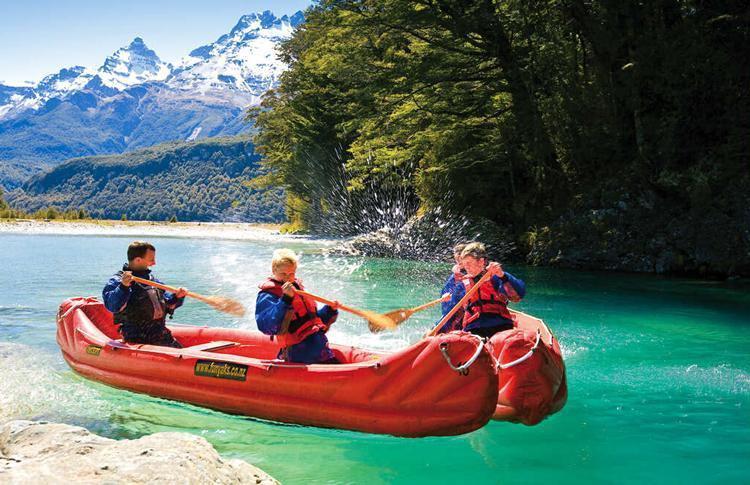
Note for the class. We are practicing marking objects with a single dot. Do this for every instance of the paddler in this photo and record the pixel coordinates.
(294, 320)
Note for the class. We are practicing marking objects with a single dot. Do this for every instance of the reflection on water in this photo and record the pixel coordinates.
(658, 369)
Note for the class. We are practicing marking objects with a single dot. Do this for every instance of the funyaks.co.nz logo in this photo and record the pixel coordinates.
(222, 370)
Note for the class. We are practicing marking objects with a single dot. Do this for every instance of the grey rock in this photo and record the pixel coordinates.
(51, 453)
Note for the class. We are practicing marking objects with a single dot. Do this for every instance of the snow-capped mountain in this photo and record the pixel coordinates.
(244, 59)
(134, 99)
(11, 96)
(131, 65)
(128, 66)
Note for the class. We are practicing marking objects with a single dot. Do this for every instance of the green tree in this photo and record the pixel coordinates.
(516, 111)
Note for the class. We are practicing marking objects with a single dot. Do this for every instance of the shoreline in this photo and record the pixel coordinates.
(239, 231)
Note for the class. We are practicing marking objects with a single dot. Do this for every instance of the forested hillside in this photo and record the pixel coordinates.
(605, 134)
(198, 181)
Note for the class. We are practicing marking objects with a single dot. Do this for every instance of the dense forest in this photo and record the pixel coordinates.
(207, 180)
(605, 134)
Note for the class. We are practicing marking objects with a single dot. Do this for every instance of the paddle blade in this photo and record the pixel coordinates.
(226, 305)
(397, 317)
(378, 321)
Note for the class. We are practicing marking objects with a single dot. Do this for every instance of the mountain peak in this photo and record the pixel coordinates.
(138, 44)
(244, 60)
(65, 79)
(264, 21)
(131, 65)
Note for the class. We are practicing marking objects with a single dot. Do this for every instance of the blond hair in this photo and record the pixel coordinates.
(459, 248)
(476, 250)
(283, 256)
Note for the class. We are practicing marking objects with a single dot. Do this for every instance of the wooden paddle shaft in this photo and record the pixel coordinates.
(331, 302)
(460, 304)
(425, 306)
(164, 287)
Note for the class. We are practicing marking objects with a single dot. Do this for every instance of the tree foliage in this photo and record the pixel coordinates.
(205, 180)
(517, 111)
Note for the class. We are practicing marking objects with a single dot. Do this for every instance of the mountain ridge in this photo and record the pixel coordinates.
(134, 99)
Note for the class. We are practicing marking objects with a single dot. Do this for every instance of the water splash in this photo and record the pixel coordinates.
(386, 209)
(33, 387)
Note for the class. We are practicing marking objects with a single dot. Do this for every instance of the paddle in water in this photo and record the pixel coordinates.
(376, 320)
(221, 303)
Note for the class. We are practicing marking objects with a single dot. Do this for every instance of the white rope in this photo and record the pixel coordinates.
(523, 357)
(462, 369)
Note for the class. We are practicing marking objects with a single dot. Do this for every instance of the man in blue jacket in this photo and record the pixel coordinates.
(139, 309)
(293, 319)
(486, 312)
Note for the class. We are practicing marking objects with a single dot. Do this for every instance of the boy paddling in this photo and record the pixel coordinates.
(293, 319)
(486, 311)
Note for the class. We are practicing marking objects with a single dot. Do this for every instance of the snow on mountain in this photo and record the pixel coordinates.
(131, 65)
(242, 64)
(244, 59)
(54, 85)
(128, 66)
(11, 96)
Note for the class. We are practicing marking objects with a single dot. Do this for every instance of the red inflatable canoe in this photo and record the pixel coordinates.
(419, 391)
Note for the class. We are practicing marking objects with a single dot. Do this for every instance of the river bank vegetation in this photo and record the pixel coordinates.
(604, 134)
(204, 180)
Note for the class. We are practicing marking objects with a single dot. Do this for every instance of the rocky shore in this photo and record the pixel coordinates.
(630, 234)
(41, 452)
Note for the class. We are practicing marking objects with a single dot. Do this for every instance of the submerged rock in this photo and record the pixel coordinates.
(39, 452)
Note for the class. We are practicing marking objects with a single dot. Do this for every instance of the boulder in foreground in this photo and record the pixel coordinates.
(39, 452)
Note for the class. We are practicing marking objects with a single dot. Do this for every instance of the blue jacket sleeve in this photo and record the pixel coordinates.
(456, 295)
(114, 295)
(270, 312)
(449, 287)
(514, 288)
(327, 314)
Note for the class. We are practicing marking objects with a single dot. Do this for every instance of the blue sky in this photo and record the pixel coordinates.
(38, 37)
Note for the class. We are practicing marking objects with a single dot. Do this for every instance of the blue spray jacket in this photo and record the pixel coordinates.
(270, 311)
(116, 295)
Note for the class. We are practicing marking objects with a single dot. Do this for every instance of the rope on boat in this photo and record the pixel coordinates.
(523, 357)
(462, 369)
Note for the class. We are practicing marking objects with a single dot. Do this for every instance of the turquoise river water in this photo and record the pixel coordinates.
(658, 369)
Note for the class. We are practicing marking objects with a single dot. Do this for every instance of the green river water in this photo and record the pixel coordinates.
(658, 369)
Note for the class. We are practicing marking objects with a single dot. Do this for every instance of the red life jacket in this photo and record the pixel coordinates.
(485, 301)
(302, 317)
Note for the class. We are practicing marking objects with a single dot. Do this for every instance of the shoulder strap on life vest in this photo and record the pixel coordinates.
(271, 286)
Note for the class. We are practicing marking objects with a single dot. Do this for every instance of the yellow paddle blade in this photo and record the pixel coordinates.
(376, 320)
(399, 316)
(226, 305)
